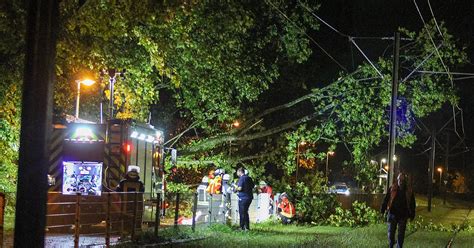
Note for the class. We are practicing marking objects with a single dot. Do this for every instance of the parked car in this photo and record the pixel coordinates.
(340, 188)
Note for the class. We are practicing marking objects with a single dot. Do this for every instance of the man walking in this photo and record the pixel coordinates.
(244, 188)
(400, 204)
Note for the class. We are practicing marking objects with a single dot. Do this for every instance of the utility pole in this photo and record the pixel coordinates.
(431, 167)
(446, 164)
(36, 124)
(393, 110)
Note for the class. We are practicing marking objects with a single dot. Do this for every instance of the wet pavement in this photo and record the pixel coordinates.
(67, 240)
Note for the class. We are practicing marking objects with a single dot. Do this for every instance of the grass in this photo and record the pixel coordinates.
(277, 235)
(453, 212)
(272, 234)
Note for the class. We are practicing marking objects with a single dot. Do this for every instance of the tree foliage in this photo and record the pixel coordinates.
(213, 60)
(11, 67)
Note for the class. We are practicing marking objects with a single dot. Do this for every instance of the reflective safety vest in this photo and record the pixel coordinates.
(215, 185)
(287, 208)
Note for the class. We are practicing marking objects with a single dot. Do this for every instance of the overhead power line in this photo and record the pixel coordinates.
(309, 37)
(434, 45)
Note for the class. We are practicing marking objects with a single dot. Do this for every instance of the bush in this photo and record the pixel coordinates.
(312, 203)
(359, 215)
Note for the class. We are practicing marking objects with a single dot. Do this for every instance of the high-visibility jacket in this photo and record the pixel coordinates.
(287, 208)
(215, 185)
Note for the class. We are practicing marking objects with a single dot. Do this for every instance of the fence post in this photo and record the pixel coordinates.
(224, 209)
(107, 221)
(176, 211)
(157, 214)
(77, 220)
(134, 220)
(123, 211)
(210, 208)
(195, 201)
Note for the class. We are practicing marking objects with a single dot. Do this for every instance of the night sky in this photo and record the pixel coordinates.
(375, 18)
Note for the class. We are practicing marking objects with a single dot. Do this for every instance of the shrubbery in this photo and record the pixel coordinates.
(359, 215)
(312, 203)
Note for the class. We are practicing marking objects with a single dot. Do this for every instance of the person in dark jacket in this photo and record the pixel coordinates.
(131, 182)
(399, 203)
(244, 188)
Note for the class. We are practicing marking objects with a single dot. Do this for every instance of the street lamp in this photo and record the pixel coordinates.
(235, 124)
(329, 153)
(382, 161)
(440, 170)
(302, 143)
(87, 82)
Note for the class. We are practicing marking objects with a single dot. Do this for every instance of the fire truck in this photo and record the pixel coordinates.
(90, 158)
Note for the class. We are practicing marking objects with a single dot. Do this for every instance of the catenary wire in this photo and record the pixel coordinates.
(309, 37)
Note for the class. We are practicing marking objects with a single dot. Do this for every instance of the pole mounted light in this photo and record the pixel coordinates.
(440, 170)
(301, 143)
(86, 82)
(329, 153)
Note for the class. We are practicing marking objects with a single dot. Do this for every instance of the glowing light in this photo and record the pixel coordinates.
(84, 134)
(128, 148)
(150, 138)
(134, 134)
(87, 82)
(142, 136)
(440, 169)
(384, 160)
(331, 153)
(236, 124)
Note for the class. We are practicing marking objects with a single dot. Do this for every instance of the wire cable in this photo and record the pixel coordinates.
(351, 39)
(434, 45)
(434, 18)
(419, 65)
(365, 56)
(309, 37)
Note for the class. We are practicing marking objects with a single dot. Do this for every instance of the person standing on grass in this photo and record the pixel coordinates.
(244, 188)
(399, 203)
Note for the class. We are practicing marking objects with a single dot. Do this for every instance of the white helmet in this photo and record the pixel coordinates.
(133, 168)
(205, 179)
(226, 177)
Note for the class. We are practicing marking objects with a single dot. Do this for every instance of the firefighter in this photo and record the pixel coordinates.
(131, 182)
(215, 183)
(286, 210)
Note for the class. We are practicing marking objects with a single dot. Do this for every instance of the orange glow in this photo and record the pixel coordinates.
(87, 82)
(331, 153)
(236, 124)
(440, 169)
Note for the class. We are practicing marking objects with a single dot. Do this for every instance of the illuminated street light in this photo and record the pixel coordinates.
(382, 162)
(302, 143)
(86, 82)
(329, 153)
(236, 123)
(440, 170)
